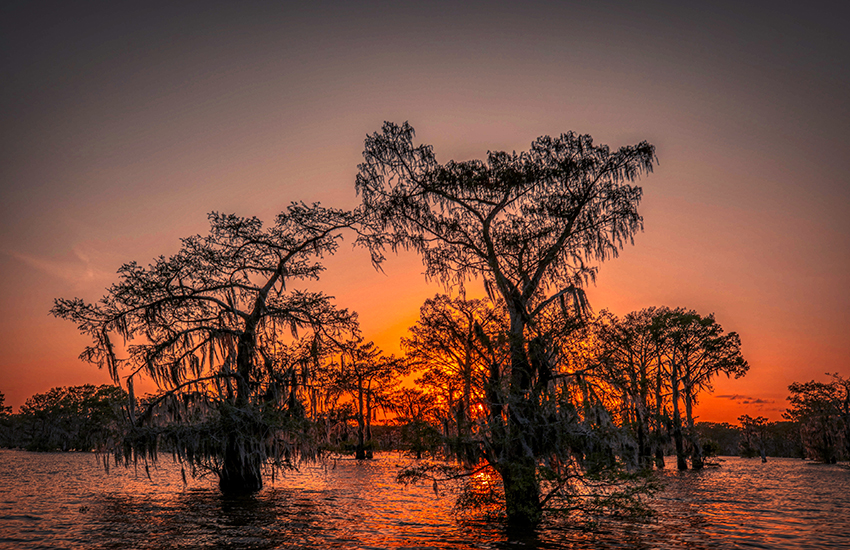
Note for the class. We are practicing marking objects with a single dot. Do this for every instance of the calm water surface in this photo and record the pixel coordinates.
(67, 501)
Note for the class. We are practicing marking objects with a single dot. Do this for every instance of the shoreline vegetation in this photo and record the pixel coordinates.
(530, 402)
(45, 426)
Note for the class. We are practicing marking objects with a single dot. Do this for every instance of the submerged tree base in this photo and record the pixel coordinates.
(240, 483)
(522, 492)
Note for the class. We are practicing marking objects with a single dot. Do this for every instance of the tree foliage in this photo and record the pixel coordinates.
(629, 354)
(208, 325)
(531, 225)
(368, 377)
(823, 412)
(528, 223)
(660, 359)
(4, 410)
(417, 415)
(754, 436)
(7, 438)
(778, 439)
(448, 348)
(74, 418)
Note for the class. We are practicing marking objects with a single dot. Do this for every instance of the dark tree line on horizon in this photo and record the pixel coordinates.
(567, 409)
(424, 421)
(76, 418)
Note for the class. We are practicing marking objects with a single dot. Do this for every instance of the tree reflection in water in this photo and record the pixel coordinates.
(64, 500)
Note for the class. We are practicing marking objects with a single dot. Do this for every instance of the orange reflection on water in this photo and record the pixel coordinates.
(484, 478)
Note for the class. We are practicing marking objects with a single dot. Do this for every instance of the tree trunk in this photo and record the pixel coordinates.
(369, 423)
(241, 470)
(681, 458)
(643, 416)
(360, 453)
(463, 417)
(696, 449)
(522, 491)
(518, 470)
(659, 438)
(643, 451)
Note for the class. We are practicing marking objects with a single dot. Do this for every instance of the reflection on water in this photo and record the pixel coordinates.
(784, 503)
(67, 501)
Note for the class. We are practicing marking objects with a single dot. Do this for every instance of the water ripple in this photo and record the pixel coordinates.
(67, 501)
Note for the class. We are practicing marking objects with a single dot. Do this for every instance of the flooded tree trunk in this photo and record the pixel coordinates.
(681, 458)
(522, 492)
(643, 452)
(659, 458)
(642, 415)
(518, 469)
(360, 453)
(448, 420)
(241, 470)
(697, 462)
(464, 428)
(659, 404)
(369, 424)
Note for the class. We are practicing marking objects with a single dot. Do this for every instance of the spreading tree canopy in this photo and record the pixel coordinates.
(532, 225)
(658, 357)
(207, 325)
(823, 413)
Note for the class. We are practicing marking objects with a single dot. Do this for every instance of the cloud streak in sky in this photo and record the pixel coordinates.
(747, 400)
(78, 270)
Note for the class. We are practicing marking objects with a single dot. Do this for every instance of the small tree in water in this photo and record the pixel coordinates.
(531, 225)
(823, 413)
(367, 376)
(698, 351)
(7, 438)
(206, 325)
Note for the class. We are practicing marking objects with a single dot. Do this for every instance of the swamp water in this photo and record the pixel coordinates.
(66, 500)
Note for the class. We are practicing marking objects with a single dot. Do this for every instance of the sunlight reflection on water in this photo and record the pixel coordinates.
(67, 501)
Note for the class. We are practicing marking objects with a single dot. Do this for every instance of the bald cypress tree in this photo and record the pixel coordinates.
(532, 226)
(206, 325)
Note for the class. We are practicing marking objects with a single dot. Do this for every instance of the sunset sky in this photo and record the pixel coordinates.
(122, 127)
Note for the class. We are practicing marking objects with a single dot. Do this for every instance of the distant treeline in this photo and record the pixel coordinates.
(778, 439)
(817, 426)
(86, 418)
(76, 418)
